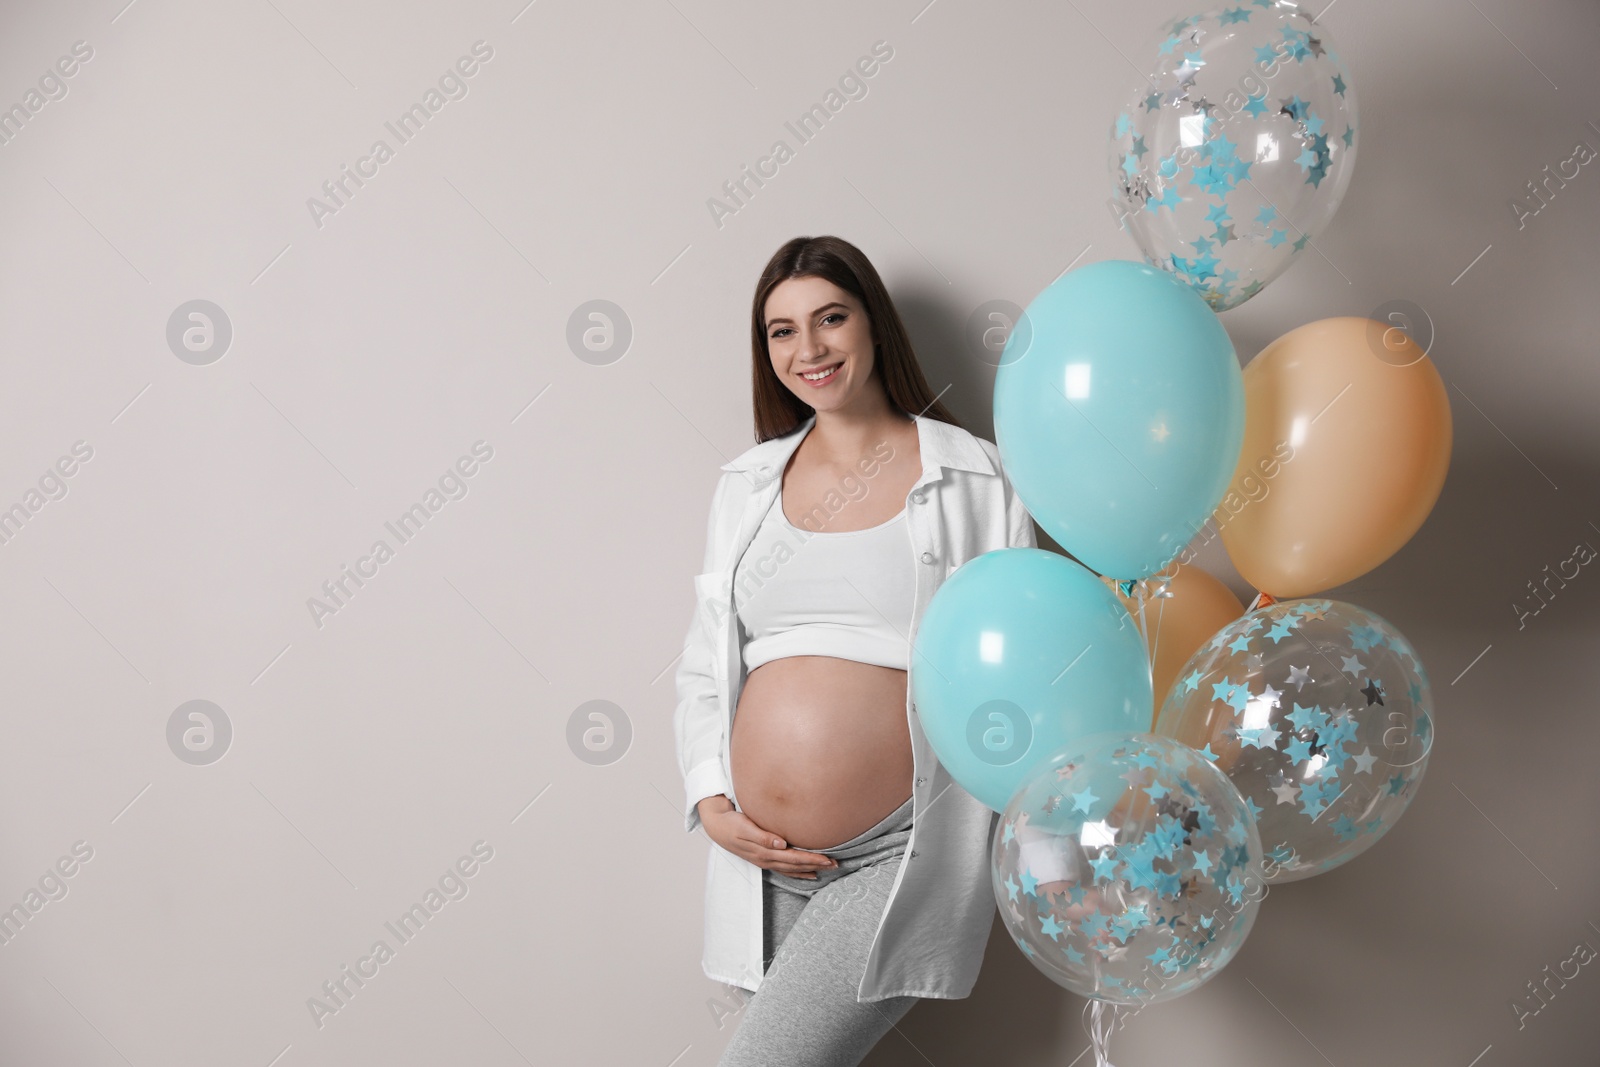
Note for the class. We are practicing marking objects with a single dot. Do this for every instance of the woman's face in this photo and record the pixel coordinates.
(813, 326)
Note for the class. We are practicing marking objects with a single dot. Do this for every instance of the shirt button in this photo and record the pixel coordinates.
(917, 496)
(927, 557)
(913, 853)
(921, 780)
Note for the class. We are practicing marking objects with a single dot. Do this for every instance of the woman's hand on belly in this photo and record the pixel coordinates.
(736, 832)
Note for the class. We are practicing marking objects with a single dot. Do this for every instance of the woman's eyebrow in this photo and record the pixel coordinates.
(814, 314)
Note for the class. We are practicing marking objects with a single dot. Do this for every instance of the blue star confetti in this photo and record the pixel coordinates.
(1319, 712)
(1149, 891)
(1201, 152)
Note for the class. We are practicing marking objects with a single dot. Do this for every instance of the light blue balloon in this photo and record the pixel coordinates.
(1020, 652)
(1119, 413)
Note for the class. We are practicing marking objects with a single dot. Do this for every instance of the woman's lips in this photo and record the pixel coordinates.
(820, 382)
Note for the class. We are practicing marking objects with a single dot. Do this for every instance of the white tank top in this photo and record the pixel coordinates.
(844, 594)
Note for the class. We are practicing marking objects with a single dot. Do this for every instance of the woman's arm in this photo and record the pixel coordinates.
(698, 721)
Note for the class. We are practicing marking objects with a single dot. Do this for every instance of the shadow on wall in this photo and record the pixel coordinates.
(938, 330)
(1500, 534)
(1493, 568)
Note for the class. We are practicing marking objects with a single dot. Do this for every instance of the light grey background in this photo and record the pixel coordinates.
(432, 711)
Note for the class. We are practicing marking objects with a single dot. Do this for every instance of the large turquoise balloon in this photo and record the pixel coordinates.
(1019, 653)
(1119, 412)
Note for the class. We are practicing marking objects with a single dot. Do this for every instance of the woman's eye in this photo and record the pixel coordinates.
(833, 315)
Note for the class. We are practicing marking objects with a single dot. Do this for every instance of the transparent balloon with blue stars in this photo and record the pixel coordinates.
(1319, 712)
(1127, 868)
(1231, 157)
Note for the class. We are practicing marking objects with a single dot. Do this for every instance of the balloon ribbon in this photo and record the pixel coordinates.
(1102, 1020)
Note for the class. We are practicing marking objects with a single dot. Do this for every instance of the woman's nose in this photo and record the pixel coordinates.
(811, 347)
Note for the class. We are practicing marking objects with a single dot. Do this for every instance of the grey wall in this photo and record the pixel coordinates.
(372, 348)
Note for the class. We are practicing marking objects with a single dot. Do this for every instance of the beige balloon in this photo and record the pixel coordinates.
(1346, 445)
(1176, 626)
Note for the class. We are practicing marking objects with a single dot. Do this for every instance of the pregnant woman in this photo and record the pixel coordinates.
(849, 874)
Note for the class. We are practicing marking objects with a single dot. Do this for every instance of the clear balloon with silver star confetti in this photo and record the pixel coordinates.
(1127, 868)
(1232, 156)
(1319, 712)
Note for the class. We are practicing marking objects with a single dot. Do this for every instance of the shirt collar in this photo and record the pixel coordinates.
(941, 444)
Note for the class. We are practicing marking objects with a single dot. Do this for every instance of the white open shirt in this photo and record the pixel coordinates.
(931, 939)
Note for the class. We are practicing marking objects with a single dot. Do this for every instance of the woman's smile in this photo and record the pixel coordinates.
(822, 375)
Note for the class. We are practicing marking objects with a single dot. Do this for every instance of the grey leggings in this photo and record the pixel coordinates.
(817, 933)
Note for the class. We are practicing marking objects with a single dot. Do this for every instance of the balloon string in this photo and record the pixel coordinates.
(1102, 1020)
(1155, 648)
(1144, 627)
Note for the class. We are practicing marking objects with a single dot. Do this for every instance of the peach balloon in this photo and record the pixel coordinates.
(1346, 445)
(1177, 625)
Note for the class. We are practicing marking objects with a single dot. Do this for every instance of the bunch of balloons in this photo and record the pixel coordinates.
(1157, 752)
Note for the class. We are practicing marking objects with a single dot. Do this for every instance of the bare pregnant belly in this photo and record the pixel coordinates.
(820, 749)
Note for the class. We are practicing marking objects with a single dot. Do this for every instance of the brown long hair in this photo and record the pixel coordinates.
(777, 410)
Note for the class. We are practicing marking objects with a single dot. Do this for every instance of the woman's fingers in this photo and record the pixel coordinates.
(757, 836)
(792, 860)
(767, 849)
